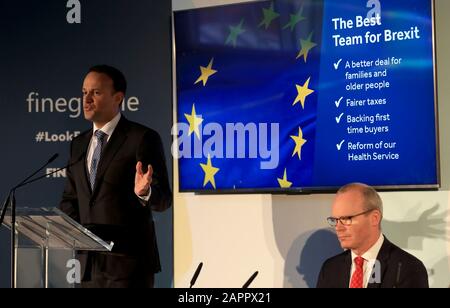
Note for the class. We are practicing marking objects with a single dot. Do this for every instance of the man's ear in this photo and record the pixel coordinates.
(376, 218)
(119, 97)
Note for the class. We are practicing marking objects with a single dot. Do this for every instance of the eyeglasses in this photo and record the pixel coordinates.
(345, 220)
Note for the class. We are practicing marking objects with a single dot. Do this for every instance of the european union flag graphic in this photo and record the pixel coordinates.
(247, 95)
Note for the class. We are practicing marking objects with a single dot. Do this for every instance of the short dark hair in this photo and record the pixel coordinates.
(372, 200)
(118, 78)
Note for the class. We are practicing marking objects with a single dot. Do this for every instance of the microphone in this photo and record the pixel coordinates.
(11, 201)
(55, 156)
(250, 280)
(397, 280)
(53, 172)
(197, 272)
(24, 182)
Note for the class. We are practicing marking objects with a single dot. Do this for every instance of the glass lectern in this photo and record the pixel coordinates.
(46, 232)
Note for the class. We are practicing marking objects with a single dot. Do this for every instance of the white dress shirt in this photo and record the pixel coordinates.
(108, 129)
(370, 257)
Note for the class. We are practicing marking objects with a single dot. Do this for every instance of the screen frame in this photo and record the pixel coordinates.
(299, 190)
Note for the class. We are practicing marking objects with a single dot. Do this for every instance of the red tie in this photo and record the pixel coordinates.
(357, 277)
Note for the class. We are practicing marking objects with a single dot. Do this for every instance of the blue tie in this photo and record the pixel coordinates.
(101, 138)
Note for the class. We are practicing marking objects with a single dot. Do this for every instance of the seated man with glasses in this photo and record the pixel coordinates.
(370, 261)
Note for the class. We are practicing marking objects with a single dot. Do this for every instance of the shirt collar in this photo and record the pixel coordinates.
(109, 127)
(373, 251)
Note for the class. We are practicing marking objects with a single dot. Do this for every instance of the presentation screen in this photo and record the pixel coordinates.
(306, 96)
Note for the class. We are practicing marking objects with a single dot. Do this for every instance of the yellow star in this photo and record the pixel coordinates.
(306, 45)
(206, 73)
(299, 142)
(210, 171)
(284, 183)
(303, 92)
(194, 122)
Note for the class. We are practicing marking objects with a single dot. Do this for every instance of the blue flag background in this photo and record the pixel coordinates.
(255, 82)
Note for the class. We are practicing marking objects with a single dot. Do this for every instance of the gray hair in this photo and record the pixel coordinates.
(372, 200)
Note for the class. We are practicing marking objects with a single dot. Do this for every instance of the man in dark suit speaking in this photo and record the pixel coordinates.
(370, 261)
(117, 176)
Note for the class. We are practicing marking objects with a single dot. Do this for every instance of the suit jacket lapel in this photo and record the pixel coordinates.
(114, 144)
(344, 278)
(382, 257)
(84, 151)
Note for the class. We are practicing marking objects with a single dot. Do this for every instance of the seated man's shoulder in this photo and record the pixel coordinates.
(400, 255)
(403, 269)
(337, 259)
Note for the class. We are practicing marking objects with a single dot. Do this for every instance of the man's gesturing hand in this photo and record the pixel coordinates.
(142, 181)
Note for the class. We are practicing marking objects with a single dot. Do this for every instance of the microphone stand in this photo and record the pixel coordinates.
(13, 239)
(250, 280)
(197, 272)
(11, 201)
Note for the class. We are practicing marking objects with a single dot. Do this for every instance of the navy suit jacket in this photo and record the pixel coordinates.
(398, 269)
(112, 210)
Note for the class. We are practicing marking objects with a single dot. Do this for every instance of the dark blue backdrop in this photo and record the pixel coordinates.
(43, 57)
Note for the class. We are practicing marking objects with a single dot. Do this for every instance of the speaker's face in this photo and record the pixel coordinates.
(100, 101)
